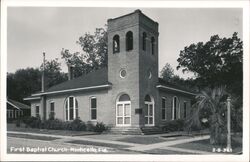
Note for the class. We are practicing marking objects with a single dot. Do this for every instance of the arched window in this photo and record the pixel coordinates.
(153, 45)
(123, 111)
(175, 107)
(144, 38)
(147, 98)
(129, 41)
(124, 97)
(71, 108)
(149, 111)
(116, 44)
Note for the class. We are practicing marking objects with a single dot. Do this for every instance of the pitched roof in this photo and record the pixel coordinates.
(17, 105)
(92, 79)
(173, 87)
(98, 79)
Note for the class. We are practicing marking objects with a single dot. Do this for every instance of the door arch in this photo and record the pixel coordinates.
(149, 111)
(123, 110)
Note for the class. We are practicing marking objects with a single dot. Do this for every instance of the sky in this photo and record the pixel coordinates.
(34, 30)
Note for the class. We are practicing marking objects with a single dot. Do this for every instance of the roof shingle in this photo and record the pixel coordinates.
(95, 78)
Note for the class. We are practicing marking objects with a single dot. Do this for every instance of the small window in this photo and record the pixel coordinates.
(153, 45)
(144, 40)
(123, 73)
(129, 41)
(52, 110)
(93, 108)
(185, 109)
(116, 44)
(37, 111)
(163, 108)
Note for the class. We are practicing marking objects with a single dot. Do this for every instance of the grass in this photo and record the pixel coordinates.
(204, 145)
(44, 138)
(12, 127)
(84, 142)
(165, 152)
(142, 140)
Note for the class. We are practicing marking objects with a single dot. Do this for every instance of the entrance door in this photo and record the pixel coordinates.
(149, 114)
(123, 113)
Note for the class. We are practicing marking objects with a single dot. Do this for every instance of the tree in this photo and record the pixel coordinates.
(24, 82)
(167, 72)
(213, 103)
(216, 62)
(94, 56)
(53, 74)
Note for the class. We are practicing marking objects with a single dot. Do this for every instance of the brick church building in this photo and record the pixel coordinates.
(128, 95)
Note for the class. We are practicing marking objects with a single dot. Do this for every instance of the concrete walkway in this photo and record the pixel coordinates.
(167, 143)
(129, 146)
(80, 138)
(186, 150)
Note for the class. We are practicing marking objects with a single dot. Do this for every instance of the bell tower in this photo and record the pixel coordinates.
(133, 61)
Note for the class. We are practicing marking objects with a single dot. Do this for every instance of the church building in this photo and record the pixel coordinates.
(128, 95)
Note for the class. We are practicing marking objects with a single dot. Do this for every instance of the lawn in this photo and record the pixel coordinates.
(142, 140)
(44, 138)
(12, 127)
(165, 152)
(84, 142)
(204, 145)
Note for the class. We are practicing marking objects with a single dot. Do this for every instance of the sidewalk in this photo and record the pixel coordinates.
(112, 142)
(167, 143)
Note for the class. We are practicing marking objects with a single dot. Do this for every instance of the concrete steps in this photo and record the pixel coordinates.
(126, 130)
(151, 130)
(135, 130)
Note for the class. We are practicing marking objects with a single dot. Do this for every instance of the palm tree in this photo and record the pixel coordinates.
(214, 102)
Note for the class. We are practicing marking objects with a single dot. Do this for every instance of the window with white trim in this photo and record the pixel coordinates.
(93, 108)
(185, 109)
(71, 108)
(175, 106)
(37, 111)
(163, 108)
(52, 110)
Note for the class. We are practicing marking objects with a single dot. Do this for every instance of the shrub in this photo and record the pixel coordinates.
(174, 125)
(18, 123)
(54, 124)
(90, 126)
(33, 122)
(77, 125)
(100, 127)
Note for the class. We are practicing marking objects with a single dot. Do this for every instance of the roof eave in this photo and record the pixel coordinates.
(174, 89)
(73, 90)
(31, 98)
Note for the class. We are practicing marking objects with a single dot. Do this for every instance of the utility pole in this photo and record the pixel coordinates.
(43, 77)
(43, 97)
(229, 147)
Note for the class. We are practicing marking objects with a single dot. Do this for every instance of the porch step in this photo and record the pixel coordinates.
(126, 130)
(151, 130)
